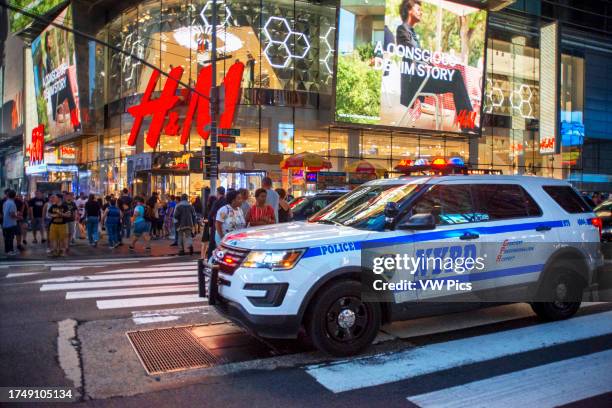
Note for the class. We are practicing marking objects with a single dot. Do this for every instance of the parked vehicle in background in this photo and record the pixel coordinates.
(305, 206)
(604, 212)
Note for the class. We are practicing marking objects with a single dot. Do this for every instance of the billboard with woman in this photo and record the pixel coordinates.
(411, 64)
(55, 79)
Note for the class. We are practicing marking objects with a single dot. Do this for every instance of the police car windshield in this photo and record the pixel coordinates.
(364, 207)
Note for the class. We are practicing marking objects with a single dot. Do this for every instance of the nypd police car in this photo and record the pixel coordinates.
(538, 238)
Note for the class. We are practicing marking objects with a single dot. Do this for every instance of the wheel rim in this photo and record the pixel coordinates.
(562, 290)
(347, 319)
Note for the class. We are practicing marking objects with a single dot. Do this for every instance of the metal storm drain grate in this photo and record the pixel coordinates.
(171, 349)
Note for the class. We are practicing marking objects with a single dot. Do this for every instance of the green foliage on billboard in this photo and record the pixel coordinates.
(19, 21)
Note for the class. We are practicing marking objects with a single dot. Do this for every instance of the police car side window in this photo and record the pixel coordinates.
(568, 199)
(450, 204)
(503, 201)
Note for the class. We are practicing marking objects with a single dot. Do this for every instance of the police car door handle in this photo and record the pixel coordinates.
(543, 228)
(468, 236)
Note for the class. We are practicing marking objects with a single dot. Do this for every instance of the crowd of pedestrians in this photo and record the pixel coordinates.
(236, 210)
(58, 220)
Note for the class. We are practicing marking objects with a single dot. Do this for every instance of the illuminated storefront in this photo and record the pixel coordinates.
(294, 94)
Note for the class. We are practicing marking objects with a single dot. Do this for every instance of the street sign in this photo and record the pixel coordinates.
(228, 132)
(211, 171)
(226, 139)
(212, 156)
(224, 131)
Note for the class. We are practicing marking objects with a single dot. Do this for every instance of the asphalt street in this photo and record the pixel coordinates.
(64, 323)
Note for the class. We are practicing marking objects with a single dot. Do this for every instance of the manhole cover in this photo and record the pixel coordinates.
(171, 349)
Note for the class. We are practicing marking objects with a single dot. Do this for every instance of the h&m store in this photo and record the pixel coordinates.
(502, 85)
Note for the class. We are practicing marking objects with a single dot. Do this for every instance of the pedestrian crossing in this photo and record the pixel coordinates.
(75, 265)
(133, 287)
(577, 379)
(552, 384)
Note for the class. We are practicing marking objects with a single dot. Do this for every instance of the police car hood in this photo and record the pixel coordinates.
(291, 235)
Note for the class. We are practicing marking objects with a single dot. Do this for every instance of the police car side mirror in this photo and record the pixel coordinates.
(419, 222)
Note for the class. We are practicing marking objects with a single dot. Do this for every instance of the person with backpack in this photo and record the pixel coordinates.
(142, 227)
(185, 217)
(112, 220)
(125, 206)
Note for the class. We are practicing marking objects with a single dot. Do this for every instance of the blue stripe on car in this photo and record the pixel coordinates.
(432, 236)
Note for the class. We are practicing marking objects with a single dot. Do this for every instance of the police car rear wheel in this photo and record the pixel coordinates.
(340, 323)
(564, 289)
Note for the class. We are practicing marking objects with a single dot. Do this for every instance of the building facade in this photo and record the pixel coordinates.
(287, 100)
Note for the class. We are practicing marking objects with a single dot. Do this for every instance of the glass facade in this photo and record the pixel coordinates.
(286, 103)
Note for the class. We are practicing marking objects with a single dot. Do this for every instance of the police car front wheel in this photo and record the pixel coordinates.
(341, 324)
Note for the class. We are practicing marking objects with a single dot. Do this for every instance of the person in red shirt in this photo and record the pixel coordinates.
(260, 213)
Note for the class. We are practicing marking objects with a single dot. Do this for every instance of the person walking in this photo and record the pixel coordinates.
(81, 220)
(152, 213)
(260, 213)
(71, 222)
(284, 209)
(36, 205)
(185, 217)
(229, 217)
(9, 223)
(142, 227)
(219, 202)
(112, 220)
(58, 230)
(170, 221)
(22, 227)
(245, 206)
(271, 197)
(125, 205)
(93, 211)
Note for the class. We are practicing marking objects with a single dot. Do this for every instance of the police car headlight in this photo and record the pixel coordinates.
(278, 260)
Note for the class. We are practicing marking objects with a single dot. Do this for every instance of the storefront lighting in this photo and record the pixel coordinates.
(328, 60)
(207, 25)
(520, 99)
(281, 42)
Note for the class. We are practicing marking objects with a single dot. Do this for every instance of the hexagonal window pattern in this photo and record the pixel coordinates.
(224, 15)
(277, 29)
(299, 44)
(278, 54)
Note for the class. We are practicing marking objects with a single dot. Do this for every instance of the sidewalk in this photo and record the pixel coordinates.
(82, 250)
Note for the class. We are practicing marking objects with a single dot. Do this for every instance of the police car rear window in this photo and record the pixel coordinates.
(568, 199)
(504, 201)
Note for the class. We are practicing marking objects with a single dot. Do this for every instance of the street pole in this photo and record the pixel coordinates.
(214, 103)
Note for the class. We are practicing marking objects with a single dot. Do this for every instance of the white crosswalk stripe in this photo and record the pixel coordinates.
(549, 385)
(92, 294)
(406, 364)
(138, 287)
(116, 283)
(119, 276)
(147, 301)
(153, 268)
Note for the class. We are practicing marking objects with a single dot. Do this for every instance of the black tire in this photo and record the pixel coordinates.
(339, 323)
(563, 285)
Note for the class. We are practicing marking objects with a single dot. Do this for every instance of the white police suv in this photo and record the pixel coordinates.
(537, 238)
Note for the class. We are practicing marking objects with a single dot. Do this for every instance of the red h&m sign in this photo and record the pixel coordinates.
(160, 108)
(36, 149)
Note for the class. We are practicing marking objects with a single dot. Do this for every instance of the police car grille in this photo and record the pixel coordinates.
(232, 258)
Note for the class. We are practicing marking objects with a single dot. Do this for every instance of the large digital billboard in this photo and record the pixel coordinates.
(411, 64)
(20, 21)
(55, 79)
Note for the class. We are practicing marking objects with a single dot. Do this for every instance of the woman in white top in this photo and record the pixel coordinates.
(229, 217)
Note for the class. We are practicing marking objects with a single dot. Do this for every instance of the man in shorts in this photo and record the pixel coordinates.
(142, 227)
(58, 229)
